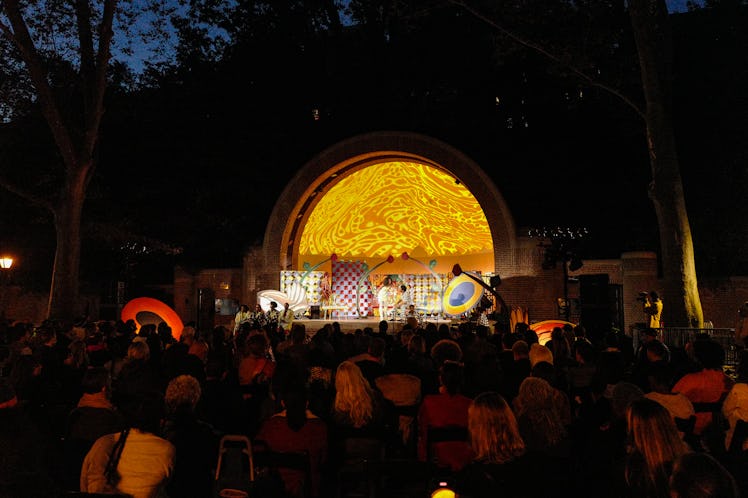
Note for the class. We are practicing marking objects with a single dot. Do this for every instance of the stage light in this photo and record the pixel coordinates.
(549, 260)
(576, 263)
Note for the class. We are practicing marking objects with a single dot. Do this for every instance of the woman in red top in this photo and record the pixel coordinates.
(449, 408)
(255, 373)
(296, 429)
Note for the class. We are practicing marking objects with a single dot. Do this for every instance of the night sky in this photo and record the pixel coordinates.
(202, 167)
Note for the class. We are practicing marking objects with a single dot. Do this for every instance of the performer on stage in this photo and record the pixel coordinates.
(271, 320)
(384, 297)
(258, 318)
(285, 320)
(242, 316)
(405, 301)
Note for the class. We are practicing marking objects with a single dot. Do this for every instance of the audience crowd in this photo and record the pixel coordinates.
(101, 407)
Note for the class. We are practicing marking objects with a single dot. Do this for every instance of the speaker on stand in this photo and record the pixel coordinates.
(595, 310)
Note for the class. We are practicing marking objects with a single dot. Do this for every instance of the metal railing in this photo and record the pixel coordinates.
(678, 337)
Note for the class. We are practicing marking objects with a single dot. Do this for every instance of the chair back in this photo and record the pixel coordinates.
(453, 433)
(739, 435)
(442, 454)
(297, 461)
(235, 468)
(686, 426)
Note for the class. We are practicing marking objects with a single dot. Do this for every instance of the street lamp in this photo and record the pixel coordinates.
(5, 263)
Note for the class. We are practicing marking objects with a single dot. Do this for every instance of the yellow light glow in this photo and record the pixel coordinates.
(395, 207)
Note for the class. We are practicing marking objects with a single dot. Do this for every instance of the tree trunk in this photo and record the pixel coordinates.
(682, 305)
(64, 292)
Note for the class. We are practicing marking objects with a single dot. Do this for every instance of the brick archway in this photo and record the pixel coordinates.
(322, 172)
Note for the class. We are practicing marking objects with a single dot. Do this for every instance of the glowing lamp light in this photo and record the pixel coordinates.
(443, 491)
(6, 262)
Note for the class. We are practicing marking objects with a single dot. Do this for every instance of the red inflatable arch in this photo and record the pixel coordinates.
(545, 328)
(145, 310)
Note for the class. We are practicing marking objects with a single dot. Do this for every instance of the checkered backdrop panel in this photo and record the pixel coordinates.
(345, 277)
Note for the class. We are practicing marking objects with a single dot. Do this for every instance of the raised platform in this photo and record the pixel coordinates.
(350, 325)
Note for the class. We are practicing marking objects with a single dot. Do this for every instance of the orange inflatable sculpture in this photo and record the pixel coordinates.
(146, 310)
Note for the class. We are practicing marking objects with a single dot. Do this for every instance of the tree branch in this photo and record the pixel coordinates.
(99, 78)
(21, 38)
(27, 195)
(555, 58)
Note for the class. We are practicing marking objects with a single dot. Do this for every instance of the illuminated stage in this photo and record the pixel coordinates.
(350, 325)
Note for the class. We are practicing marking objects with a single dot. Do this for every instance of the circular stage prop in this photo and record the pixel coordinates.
(146, 310)
(461, 295)
(545, 328)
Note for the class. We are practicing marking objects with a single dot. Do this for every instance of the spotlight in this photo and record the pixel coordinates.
(576, 263)
(549, 260)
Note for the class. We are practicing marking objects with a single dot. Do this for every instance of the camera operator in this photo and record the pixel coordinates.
(652, 306)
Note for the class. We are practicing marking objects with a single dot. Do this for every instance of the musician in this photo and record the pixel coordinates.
(242, 316)
(411, 311)
(285, 319)
(258, 318)
(384, 297)
(405, 301)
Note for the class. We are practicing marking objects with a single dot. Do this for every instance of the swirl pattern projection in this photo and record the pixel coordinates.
(395, 207)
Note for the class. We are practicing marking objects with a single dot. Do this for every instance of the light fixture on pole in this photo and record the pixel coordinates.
(561, 244)
(6, 262)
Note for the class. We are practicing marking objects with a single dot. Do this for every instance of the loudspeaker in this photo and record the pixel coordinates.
(206, 309)
(314, 313)
(495, 281)
(593, 290)
(595, 309)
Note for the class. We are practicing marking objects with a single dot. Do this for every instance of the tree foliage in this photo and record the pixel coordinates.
(57, 57)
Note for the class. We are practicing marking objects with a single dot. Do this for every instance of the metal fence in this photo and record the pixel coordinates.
(675, 337)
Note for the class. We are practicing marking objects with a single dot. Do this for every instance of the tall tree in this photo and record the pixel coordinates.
(651, 30)
(57, 55)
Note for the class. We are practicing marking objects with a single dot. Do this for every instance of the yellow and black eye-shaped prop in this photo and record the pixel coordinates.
(461, 295)
(147, 310)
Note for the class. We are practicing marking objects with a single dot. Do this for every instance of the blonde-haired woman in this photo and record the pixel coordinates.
(356, 404)
(655, 445)
(359, 412)
(540, 419)
(501, 466)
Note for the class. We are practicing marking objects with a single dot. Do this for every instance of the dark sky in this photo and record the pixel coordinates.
(201, 165)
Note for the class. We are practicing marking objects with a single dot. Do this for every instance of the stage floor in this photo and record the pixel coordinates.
(350, 325)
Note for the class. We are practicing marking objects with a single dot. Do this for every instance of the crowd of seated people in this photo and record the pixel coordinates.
(101, 407)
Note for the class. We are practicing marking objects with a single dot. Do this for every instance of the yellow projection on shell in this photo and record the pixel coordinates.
(392, 207)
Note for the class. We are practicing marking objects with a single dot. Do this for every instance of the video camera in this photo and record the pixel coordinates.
(643, 296)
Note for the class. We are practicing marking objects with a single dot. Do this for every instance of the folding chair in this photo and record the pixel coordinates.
(235, 469)
(289, 460)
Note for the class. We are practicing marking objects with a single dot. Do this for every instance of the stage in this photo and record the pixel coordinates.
(349, 325)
